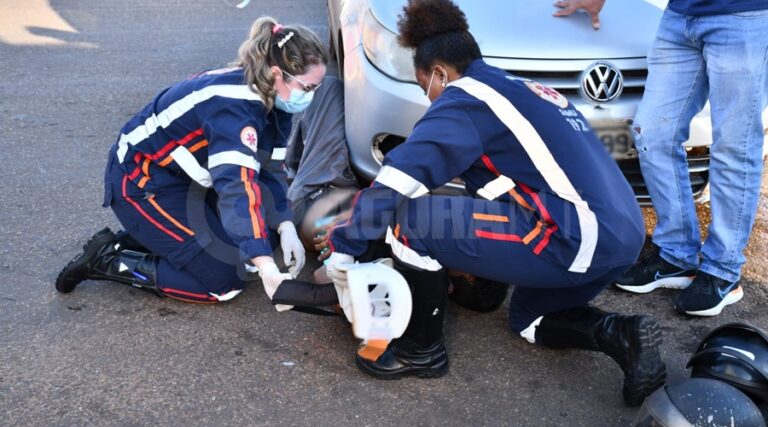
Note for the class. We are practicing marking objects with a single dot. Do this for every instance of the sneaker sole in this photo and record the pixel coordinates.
(651, 371)
(417, 372)
(667, 283)
(732, 298)
(77, 270)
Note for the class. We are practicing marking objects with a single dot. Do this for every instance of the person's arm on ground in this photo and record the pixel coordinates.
(592, 7)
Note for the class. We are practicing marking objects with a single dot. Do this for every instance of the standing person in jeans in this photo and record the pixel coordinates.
(714, 50)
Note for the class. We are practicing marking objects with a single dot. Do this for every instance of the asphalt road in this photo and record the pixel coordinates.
(107, 354)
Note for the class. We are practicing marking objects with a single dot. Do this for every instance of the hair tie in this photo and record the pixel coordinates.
(285, 39)
(276, 28)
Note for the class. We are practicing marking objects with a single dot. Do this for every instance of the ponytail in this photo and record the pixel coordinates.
(293, 48)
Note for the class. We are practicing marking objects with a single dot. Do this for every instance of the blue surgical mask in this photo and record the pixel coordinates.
(297, 102)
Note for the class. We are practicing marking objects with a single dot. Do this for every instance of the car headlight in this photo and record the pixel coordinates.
(385, 53)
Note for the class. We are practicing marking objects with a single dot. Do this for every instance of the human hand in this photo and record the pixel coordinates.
(593, 7)
(321, 240)
(294, 255)
(271, 278)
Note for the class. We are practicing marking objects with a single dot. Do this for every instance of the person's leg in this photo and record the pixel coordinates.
(736, 53)
(676, 89)
(562, 318)
(189, 256)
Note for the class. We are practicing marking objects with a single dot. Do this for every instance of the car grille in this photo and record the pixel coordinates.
(569, 82)
(698, 166)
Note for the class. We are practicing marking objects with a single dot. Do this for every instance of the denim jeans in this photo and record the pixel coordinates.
(723, 59)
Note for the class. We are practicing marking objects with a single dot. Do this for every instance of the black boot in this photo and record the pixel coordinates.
(104, 259)
(420, 351)
(632, 341)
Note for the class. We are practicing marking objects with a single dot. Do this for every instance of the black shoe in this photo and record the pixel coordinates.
(81, 267)
(708, 295)
(631, 341)
(403, 358)
(652, 272)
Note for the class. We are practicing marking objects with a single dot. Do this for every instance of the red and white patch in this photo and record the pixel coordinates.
(249, 138)
(547, 93)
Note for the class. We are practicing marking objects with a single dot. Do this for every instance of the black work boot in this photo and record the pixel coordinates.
(631, 341)
(420, 351)
(104, 259)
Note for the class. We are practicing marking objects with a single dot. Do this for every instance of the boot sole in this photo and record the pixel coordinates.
(424, 373)
(77, 270)
(650, 372)
(667, 283)
(732, 298)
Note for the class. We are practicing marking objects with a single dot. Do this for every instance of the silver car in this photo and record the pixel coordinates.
(601, 72)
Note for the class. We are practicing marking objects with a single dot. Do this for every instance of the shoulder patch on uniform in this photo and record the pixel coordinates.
(249, 138)
(547, 93)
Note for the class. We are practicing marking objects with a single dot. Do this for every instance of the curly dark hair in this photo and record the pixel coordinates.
(437, 30)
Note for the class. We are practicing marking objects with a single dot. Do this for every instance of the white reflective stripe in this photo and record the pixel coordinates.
(409, 256)
(279, 153)
(228, 296)
(232, 158)
(401, 182)
(178, 109)
(496, 188)
(543, 161)
(191, 167)
(529, 333)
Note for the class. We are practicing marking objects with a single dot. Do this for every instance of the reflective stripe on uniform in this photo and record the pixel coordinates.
(279, 153)
(409, 256)
(544, 162)
(191, 167)
(178, 109)
(497, 187)
(233, 158)
(401, 182)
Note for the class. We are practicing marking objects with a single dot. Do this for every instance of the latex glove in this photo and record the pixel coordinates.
(271, 278)
(294, 255)
(336, 269)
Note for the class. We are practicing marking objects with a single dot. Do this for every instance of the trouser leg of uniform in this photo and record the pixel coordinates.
(420, 351)
(197, 261)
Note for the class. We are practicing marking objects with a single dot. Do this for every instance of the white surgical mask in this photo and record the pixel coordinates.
(297, 102)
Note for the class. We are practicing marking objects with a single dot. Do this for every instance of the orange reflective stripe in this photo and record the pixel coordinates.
(373, 349)
(198, 146)
(143, 181)
(397, 231)
(519, 199)
(165, 162)
(535, 232)
(173, 220)
(251, 202)
(493, 218)
(145, 167)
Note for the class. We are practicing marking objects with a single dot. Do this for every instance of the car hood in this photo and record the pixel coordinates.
(525, 29)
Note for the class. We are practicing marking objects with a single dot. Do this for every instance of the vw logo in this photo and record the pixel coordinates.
(602, 82)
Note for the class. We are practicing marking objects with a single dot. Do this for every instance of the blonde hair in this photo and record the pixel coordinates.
(292, 48)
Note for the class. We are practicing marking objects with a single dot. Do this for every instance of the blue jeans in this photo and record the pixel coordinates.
(723, 59)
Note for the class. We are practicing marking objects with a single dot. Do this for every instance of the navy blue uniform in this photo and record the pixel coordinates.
(551, 211)
(209, 132)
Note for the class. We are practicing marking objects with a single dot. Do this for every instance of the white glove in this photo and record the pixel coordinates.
(292, 248)
(271, 278)
(336, 270)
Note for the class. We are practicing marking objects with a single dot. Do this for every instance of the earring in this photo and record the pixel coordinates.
(443, 84)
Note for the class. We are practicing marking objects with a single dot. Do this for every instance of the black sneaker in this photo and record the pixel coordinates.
(652, 272)
(708, 295)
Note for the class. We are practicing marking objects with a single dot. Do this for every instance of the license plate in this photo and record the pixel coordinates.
(617, 139)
